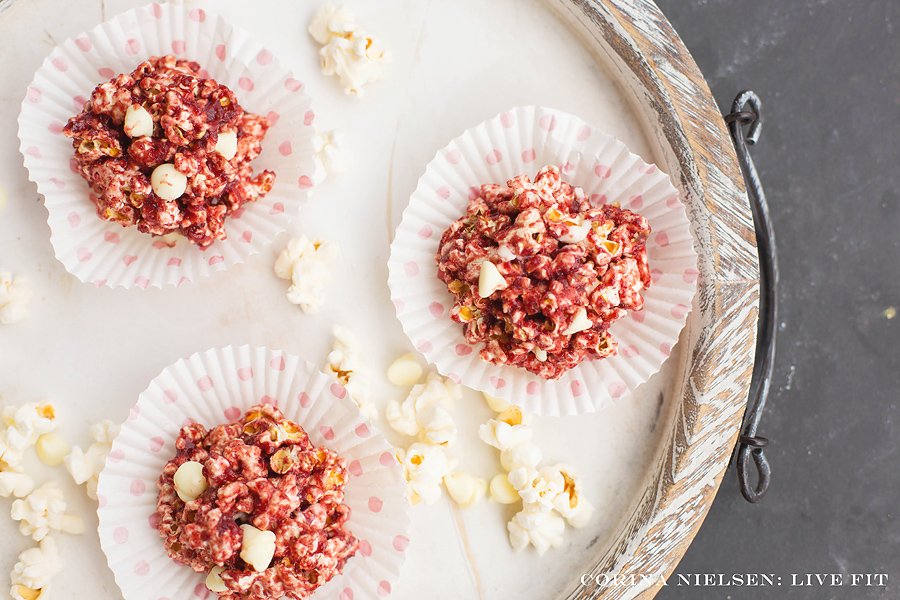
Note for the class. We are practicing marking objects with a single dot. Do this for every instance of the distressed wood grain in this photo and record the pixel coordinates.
(636, 43)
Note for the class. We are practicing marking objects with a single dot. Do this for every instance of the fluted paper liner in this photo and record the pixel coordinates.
(108, 254)
(522, 141)
(218, 386)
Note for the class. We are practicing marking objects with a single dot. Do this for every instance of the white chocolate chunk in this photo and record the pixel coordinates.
(539, 354)
(490, 280)
(226, 144)
(138, 122)
(214, 580)
(579, 323)
(502, 490)
(464, 488)
(167, 182)
(404, 371)
(189, 481)
(51, 449)
(496, 404)
(257, 547)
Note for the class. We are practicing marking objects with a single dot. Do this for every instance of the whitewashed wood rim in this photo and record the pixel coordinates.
(642, 50)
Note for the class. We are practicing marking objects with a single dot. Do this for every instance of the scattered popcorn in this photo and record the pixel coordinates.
(30, 576)
(347, 51)
(465, 489)
(502, 490)
(332, 157)
(15, 484)
(26, 423)
(85, 467)
(51, 449)
(15, 294)
(10, 456)
(425, 466)
(345, 364)
(44, 510)
(404, 371)
(305, 262)
(542, 529)
(496, 404)
(537, 488)
(426, 411)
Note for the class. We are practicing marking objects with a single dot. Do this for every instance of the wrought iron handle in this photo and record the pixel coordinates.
(745, 112)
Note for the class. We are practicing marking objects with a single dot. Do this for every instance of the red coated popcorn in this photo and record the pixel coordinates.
(167, 150)
(538, 274)
(263, 488)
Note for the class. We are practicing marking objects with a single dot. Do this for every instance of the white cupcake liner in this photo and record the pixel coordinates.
(522, 141)
(108, 254)
(218, 386)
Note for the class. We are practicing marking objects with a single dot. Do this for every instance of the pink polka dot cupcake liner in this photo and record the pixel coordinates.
(217, 386)
(108, 254)
(522, 141)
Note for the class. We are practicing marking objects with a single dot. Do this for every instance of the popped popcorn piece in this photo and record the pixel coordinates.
(570, 502)
(542, 529)
(503, 436)
(526, 454)
(10, 456)
(305, 262)
(257, 547)
(44, 510)
(502, 490)
(496, 404)
(30, 576)
(15, 294)
(538, 489)
(404, 371)
(51, 449)
(347, 51)
(425, 466)
(465, 489)
(189, 480)
(26, 423)
(15, 484)
(85, 467)
(348, 367)
(332, 158)
(426, 411)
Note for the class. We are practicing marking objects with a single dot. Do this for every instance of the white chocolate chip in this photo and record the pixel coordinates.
(465, 489)
(404, 371)
(214, 580)
(227, 145)
(138, 122)
(189, 481)
(51, 449)
(167, 182)
(257, 547)
(539, 354)
(489, 279)
(496, 404)
(580, 322)
(502, 490)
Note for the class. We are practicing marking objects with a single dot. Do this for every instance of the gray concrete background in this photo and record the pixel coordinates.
(828, 74)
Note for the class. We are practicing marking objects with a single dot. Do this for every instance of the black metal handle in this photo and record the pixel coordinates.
(745, 112)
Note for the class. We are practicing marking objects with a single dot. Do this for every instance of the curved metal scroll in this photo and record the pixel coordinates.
(745, 111)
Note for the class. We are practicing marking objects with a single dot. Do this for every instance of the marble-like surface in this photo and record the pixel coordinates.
(93, 350)
(828, 73)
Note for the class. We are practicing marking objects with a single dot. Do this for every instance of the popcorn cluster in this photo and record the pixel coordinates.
(40, 512)
(347, 51)
(347, 366)
(550, 495)
(15, 294)
(85, 466)
(305, 264)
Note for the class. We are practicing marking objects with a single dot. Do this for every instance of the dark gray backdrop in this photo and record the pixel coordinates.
(828, 73)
